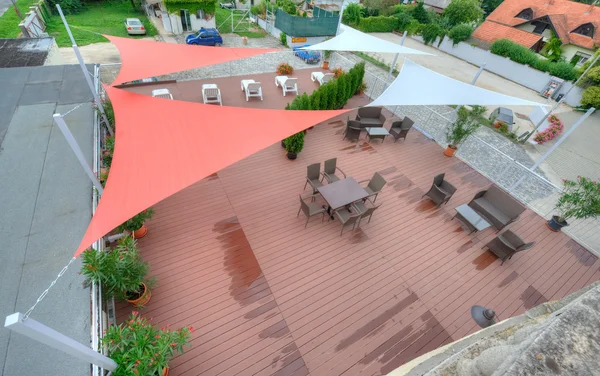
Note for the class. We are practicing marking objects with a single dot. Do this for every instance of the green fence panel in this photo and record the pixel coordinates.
(304, 26)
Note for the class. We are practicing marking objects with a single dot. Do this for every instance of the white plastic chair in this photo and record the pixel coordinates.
(287, 84)
(162, 93)
(211, 94)
(320, 77)
(252, 89)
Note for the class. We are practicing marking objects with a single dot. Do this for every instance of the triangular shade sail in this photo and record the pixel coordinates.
(416, 85)
(145, 58)
(163, 146)
(350, 39)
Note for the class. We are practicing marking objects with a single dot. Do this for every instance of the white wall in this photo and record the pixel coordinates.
(504, 67)
(197, 23)
(569, 50)
(271, 29)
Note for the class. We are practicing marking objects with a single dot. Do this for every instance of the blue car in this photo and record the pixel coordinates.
(309, 57)
(205, 37)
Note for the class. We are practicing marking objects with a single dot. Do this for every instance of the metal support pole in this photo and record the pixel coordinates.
(86, 73)
(43, 334)
(560, 141)
(390, 73)
(539, 124)
(232, 20)
(337, 31)
(458, 107)
(77, 150)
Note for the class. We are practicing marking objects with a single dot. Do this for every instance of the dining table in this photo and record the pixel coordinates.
(342, 193)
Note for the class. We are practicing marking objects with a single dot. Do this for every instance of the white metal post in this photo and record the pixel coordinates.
(337, 32)
(86, 73)
(458, 107)
(397, 55)
(77, 150)
(41, 333)
(560, 141)
(539, 124)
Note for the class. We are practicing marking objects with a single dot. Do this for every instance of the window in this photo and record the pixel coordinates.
(580, 58)
(585, 29)
(200, 14)
(526, 14)
(540, 27)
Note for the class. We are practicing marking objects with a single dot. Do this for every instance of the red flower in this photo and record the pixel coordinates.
(157, 336)
(135, 313)
(191, 329)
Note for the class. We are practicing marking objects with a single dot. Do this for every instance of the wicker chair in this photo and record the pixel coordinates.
(313, 173)
(353, 130)
(375, 185)
(364, 210)
(506, 245)
(441, 191)
(400, 129)
(346, 218)
(310, 209)
(329, 171)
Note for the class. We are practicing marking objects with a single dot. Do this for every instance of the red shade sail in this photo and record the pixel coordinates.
(146, 58)
(184, 142)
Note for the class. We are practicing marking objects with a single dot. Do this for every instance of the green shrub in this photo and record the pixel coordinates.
(352, 14)
(460, 33)
(542, 64)
(294, 143)
(379, 24)
(430, 32)
(259, 10)
(414, 27)
(404, 19)
(463, 11)
(67, 6)
(283, 38)
(591, 97)
(594, 75)
(420, 14)
(563, 70)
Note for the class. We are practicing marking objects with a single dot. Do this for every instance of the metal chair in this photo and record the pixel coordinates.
(506, 245)
(441, 191)
(353, 130)
(400, 129)
(375, 186)
(329, 171)
(310, 209)
(313, 173)
(346, 218)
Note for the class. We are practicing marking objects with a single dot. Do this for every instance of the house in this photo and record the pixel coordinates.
(530, 23)
(181, 16)
(437, 6)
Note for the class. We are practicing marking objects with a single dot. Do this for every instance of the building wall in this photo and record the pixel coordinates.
(309, 40)
(528, 27)
(569, 50)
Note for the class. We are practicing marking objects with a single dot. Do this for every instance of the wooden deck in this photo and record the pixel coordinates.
(269, 297)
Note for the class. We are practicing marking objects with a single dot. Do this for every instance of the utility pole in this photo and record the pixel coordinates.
(543, 119)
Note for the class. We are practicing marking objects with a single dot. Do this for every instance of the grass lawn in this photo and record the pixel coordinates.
(9, 21)
(243, 26)
(98, 18)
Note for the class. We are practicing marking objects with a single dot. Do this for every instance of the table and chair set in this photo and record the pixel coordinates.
(371, 120)
(345, 199)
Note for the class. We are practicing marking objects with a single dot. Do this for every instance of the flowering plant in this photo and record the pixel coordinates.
(140, 349)
(285, 69)
(337, 72)
(555, 128)
(137, 221)
(580, 199)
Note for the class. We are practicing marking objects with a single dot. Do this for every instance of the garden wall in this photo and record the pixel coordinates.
(504, 67)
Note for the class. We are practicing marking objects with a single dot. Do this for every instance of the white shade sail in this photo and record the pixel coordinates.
(350, 39)
(416, 85)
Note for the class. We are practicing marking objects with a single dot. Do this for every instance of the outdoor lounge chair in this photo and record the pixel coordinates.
(313, 172)
(310, 209)
(506, 245)
(400, 129)
(162, 93)
(321, 78)
(211, 94)
(287, 84)
(329, 171)
(352, 131)
(440, 191)
(370, 117)
(375, 186)
(497, 206)
(346, 218)
(364, 210)
(252, 89)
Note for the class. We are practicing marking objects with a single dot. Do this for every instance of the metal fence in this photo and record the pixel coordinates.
(305, 26)
(535, 190)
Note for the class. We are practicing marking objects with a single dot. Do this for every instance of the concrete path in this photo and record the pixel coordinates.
(45, 208)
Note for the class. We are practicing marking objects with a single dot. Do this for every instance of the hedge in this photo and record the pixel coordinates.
(591, 97)
(460, 33)
(523, 55)
(379, 24)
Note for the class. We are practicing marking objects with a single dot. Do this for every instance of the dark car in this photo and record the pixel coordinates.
(310, 57)
(205, 37)
(227, 5)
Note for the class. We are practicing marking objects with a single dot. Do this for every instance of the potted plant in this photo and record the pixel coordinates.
(294, 145)
(326, 55)
(360, 89)
(138, 348)
(136, 226)
(580, 199)
(337, 72)
(121, 272)
(284, 69)
(458, 131)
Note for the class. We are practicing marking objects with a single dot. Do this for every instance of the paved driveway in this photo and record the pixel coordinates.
(4, 5)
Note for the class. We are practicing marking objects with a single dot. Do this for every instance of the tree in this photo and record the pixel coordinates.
(552, 48)
(430, 32)
(404, 20)
(591, 97)
(351, 14)
(420, 14)
(594, 75)
(489, 6)
(460, 33)
(463, 11)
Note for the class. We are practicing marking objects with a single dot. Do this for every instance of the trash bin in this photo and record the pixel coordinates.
(244, 40)
(559, 97)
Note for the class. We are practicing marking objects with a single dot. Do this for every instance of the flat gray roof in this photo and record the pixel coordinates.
(24, 52)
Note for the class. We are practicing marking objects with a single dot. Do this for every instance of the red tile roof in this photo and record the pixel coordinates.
(565, 16)
(491, 31)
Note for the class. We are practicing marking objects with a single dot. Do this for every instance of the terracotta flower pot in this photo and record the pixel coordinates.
(325, 65)
(555, 225)
(165, 371)
(450, 150)
(140, 232)
(144, 297)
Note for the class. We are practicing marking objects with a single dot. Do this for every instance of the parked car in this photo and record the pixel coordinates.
(134, 26)
(309, 57)
(205, 37)
(227, 5)
(504, 115)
